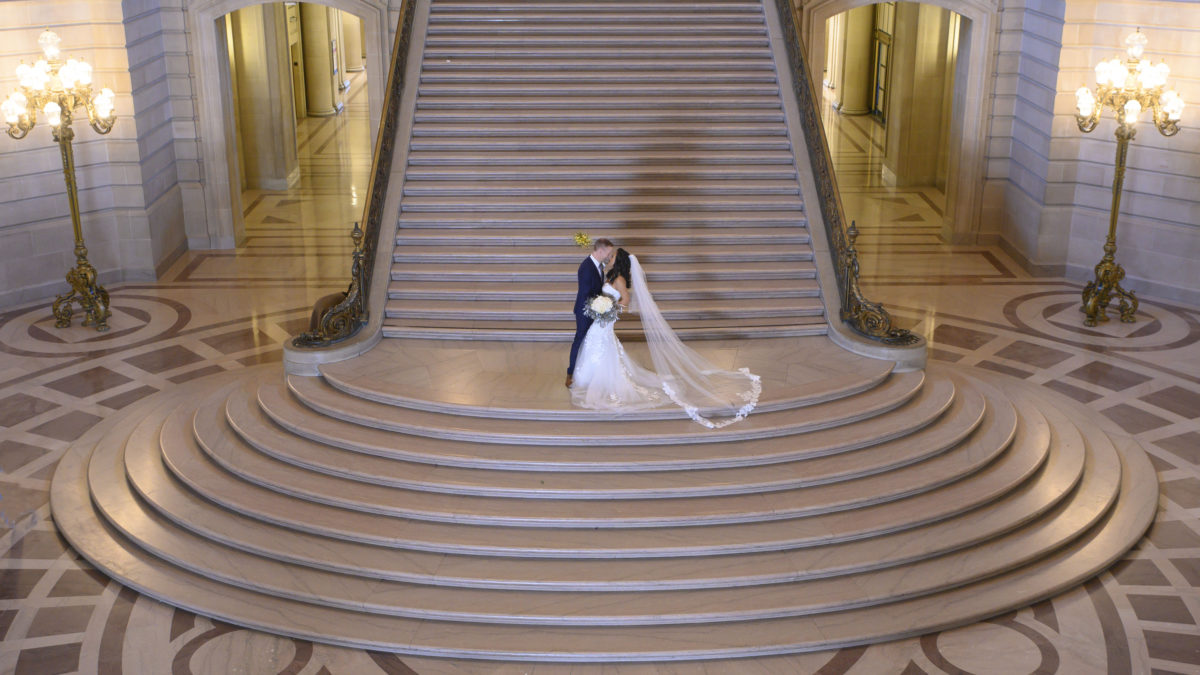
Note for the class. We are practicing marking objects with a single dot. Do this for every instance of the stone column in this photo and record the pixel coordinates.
(856, 63)
(352, 39)
(319, 85)
(261, 73)
(918, 84)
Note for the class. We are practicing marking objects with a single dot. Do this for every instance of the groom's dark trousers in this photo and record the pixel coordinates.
(590, 284)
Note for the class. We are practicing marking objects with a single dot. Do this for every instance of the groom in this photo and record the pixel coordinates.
(591, 281)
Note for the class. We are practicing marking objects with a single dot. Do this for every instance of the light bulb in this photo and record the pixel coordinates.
(69, 74)
(1161, 72)
(13, 108)
(1172, 105)
(103, 104)
(53, 114)
(1132, 110)
(1102, 74)
(24, 75)
(49, 41)
(40, 75)
(1085, 102)
(1118, 73)
(85, 73)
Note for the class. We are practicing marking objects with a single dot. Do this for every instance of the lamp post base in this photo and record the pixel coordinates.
(87, 292)
(1100, 292)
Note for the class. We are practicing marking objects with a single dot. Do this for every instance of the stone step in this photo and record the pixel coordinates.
(563, 76)
(738, 329)
(650, 256)
(500, 272)
(622, 203)
(317, 395)
(998, 478)
(607, 115)
(732, 221)
(582, 18)
(567, 92)
(541, 129)
(564, 294)
(626, 510)
(601, 175)
(556, 237)
(555, 53)
(661, 102)
(605, 158)
(744, 144)
(647, 607)
(594, 8)
(690, 38)
(642, 28)
(521, 311)
(627, 65)
(796, 373)
(468, 189)
(244, 419)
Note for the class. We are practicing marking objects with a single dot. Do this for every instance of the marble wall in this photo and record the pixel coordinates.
(35, 226)
(146, 191)
(164, 112)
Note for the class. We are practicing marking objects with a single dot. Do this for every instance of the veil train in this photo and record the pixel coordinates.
(704, 391)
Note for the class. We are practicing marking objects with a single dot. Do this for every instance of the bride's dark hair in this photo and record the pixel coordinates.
(621, 268)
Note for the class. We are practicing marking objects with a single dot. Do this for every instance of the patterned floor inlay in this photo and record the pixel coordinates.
(219, 311)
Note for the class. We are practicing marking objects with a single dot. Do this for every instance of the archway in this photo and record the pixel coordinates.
(210, 63)
(966, 139)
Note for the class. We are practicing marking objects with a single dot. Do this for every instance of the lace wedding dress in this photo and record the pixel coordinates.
(606, 378)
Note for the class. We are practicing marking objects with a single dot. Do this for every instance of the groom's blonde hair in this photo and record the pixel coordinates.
(601, 243)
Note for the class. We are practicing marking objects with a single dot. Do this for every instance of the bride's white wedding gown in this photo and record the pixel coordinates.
(606, 378)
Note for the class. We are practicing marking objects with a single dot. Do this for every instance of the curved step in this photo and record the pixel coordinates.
(320, 397)
(1133, 510)
(794, 374)
(614, 510)
(283, 409)
(254, 428)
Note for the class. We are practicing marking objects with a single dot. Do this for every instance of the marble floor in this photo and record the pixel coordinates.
(219, 311)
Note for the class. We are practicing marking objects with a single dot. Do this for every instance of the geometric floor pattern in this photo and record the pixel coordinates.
(220, 311)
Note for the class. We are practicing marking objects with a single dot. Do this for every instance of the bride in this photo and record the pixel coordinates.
(606, 378)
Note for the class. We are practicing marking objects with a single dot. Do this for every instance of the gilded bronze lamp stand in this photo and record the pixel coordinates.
(1127, 87)
(56, 89)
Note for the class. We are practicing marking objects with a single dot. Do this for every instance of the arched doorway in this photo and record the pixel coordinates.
(956, 152)
(216, 120)
(297, 104)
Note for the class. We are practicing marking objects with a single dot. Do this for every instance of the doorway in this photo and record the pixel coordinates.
(298, 125)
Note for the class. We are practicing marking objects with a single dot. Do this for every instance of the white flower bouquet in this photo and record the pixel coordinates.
(602, 308)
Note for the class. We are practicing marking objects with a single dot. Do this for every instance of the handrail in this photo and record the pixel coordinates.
(348, 316)
(867, 318)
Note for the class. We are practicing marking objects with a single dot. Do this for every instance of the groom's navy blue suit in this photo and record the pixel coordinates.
(590, 284)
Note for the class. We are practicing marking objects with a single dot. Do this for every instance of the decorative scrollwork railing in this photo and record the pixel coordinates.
(345, 318)
(866, 317)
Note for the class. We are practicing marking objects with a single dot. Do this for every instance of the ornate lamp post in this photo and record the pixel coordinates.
(1128, 88)
(57, 89)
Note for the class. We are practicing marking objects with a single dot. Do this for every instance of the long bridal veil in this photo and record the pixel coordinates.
(710, 396)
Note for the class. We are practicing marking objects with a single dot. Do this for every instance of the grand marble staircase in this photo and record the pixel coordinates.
(658, 124)
(433, 499)
(438, 495)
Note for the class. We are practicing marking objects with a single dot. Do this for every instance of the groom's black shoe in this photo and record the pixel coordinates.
(570, 381)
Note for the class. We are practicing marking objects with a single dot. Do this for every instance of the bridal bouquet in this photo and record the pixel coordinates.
(602, 308)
